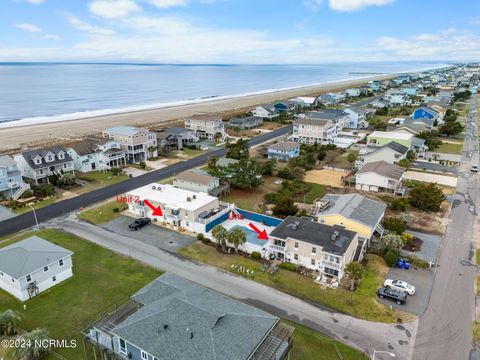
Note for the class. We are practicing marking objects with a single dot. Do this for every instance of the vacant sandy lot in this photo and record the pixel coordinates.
(428, 177)
(325, 177)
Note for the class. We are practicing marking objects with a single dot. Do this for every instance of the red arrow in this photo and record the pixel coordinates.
(261, 234)
(157, 211)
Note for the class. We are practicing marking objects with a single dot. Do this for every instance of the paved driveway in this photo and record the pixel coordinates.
(155, 235)
(430, 246)
(422, 279)
(430, 166)
(5, 213)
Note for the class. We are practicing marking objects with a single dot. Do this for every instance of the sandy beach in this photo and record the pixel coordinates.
(16, 138)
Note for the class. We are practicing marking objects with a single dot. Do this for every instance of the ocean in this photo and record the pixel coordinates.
(45, 92)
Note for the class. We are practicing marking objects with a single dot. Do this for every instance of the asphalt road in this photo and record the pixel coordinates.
(64, 207)
(444, 330)
(361, 334)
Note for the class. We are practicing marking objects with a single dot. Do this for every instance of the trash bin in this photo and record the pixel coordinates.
(400, 263)
(406, 265)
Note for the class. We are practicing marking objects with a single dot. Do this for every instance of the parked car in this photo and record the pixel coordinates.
(387, 293)
(139, 223)
(400, 286)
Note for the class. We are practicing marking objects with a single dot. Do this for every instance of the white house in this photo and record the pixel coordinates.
(265, 112)
(206, 126)
(33, 265)
(139, 143)
(391, 152)
(380, 176)
(397, 98)
(353, 92)
(313, 131)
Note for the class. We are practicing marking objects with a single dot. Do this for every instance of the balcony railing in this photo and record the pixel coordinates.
(208, 220)
(331, 264)
(277, 248)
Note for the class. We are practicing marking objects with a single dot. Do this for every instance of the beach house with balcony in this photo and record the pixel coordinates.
(31, 266)
(283, 151)
(96, 153)
(380, 138)
(175, 319)
(139, 143)
(357, 117)
(176, 138)
(391, 152)
(380, 176)
(267, 112)
(354, 212)
(181, 209)
(200, 181)
(11, 181)
(206, 126)
(246, 123)
(324, 248)
(38, 164)
(313, 131)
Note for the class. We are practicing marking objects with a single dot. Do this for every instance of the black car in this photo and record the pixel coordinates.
(395, 295)
(139, 223)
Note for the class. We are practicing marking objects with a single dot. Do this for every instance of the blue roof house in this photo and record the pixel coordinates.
(284, 151)
(425, 112)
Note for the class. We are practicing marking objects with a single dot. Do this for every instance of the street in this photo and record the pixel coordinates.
(64, 207)
(444, 330)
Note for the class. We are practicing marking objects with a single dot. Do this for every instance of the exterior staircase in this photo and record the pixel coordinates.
(17, 194)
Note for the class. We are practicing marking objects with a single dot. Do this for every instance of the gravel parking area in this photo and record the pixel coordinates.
(422, 279)
(155, 235)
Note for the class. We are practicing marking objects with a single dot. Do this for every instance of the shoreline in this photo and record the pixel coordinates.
(18, 136)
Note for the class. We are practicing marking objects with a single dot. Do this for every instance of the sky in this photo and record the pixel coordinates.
(239, 31)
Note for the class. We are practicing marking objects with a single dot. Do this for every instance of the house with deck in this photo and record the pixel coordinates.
(31, 266)
(139, 144)
(200, 181)
(283, 151)
(95, 153)
(11, 181)
(266, 112)
(391, 152)
(176, 139)
(206, 126)
(331, 98)
(380, 176)
(246, 123)
(316, 246)
(38, 164)
(313, 131)
(357, 117)
(354, 212)
(380, 138)
(176, 319)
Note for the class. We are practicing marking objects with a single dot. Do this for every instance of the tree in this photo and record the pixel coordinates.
(450, 128)
(237, 130)
(238, 150)
(355, 271)
(236, 237)
(212, 161)
(220, 234)
(32, 345)
(268, 167)
(142, 165)
(411, 155)
(285, 206)
(391, 258)
(351, 158)
(9, 320)
(394, 224)
(65, 180)
(426, 196)
(116, 171)
(405, 163)
(218, 136)
(391, 242)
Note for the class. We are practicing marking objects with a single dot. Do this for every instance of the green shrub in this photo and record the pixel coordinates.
(288, 266)
(200, 237)
(394, 224)
(27, 194)
(391, 258)
(116, 210)
(256, 255)
(399, 204)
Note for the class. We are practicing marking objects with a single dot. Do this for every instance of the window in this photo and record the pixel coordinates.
(60, 262)
(314, 250)
(54, 278)
(144, 355)
(313, 262)
(296, 245)
(45, 268)
(295, 256)
(29, 278)
(122, 346)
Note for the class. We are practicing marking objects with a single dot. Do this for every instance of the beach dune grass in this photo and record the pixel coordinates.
(101, 280)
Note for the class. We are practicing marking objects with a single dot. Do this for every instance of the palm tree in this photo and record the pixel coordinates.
(354, 270)
(9, 320)
(32, 345)
(236, 237)
(220, 234)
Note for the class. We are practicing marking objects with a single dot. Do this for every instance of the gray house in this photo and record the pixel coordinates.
(33, 265)
(11, 181)
(246, 123)
(176, 138)
(199, 181)
(176, 319)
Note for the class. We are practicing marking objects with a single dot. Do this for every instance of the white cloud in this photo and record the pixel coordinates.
(158, 25)
(28, 27)
(355, 5)
(111, 9)
(51, 37)
(86, 27)
(165, 4)
(313, 5)
(35, 2)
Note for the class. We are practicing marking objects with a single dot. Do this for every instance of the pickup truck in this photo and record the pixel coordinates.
(139, 223)
(398, 296)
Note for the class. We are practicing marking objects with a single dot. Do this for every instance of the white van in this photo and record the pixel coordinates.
(474, 168)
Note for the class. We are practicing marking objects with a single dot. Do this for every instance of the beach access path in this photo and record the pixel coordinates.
(16, 135)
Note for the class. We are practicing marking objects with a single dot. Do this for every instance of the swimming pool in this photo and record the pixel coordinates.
(252, 236)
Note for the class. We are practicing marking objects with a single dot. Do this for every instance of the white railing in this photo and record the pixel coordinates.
(229, 208)
(277, 248)
(331, 264)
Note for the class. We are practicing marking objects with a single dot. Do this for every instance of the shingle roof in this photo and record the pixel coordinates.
(196, 178)
(29, 155)
(306, 230)
(178, 131)
(88, 146)
(317, 122)
(123, 130)
(24, 257)
(384, 169)
(285, 145)
(355, 207)
(183, 320)
(327, 114)
(224, 162)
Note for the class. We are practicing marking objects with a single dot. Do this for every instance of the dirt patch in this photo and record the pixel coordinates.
(325, 177)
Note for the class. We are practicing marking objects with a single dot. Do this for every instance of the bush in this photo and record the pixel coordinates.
(288, 266)
(256, 255)
(394, 224)
(46, 190)
(426, 197)
(200, 237)
(142, 165)
(391, 258)
(399, 204)
(116, 210)
(27, 194)
(116, 171)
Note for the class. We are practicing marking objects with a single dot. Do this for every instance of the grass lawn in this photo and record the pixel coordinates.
(249, 200)
(361, 303)
(103, 213)
(342, 162)
(189, 153)
(36, 205)
(450, 148)
(98, 179)
(101, 280)
(311, 345)
(316, 191)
